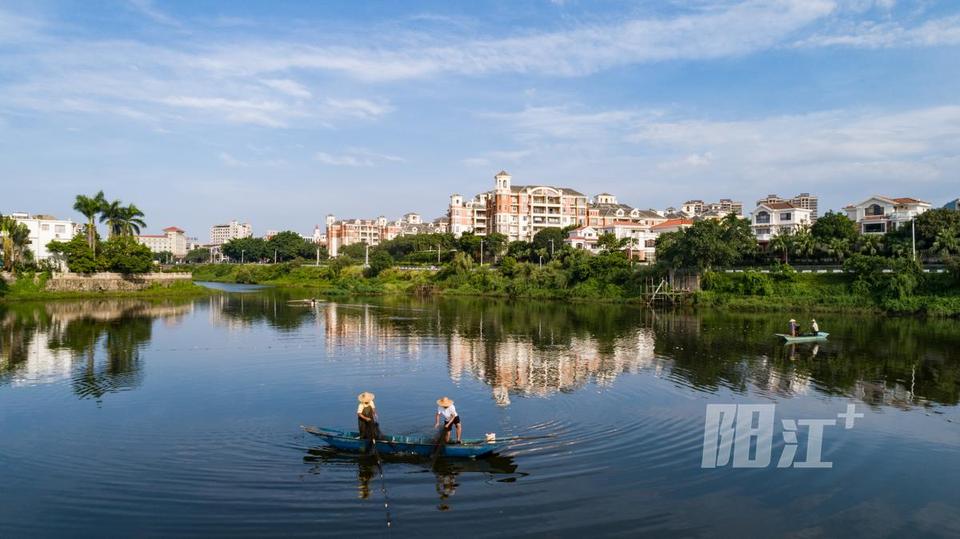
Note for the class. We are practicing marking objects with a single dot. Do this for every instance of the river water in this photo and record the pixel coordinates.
(133, 418)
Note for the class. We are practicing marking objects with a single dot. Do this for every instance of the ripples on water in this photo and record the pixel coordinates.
(165, 418)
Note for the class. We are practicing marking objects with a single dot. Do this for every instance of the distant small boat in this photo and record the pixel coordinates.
(424, 446)
(804, 338)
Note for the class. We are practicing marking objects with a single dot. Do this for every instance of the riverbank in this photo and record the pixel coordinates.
(44, 287)
(780, 290)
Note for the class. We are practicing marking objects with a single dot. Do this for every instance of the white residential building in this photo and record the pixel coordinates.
(879, 214)
(43, 230)
(584, 237)
(173, 240)
(220, 234)
(771, 219)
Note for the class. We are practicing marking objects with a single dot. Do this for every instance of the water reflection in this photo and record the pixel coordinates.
(541, 349)
(447, 472)
(97, 345)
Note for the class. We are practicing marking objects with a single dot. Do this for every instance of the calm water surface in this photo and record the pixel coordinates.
(122, 418)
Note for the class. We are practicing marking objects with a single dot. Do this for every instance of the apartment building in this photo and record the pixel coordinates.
(220, 234)
(467, 216)
(880, 214)
(606, 211)
(44, 229)
(771, 219)
(173, 240)
(803, 200)
(698, 208)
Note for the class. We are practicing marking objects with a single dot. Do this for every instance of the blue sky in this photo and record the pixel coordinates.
(281, 112)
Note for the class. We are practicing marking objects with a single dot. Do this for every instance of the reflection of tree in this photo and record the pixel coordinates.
(68, 337)
(535, 348)
(270, 307)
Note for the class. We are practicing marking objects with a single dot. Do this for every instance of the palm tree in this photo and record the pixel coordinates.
(837, 248)
(945, 243)
(870, 244)
(804, 244)
(782, 242)
(89, 207)
(122, 220)
(16, 237)
(132, 222)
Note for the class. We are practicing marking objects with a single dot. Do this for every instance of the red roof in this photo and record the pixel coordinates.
(674, 222)
(173, 229)
(908, 200)
(780, 206)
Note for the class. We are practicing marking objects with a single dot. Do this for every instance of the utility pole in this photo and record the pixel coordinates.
(541, 261)
(242, 251)
(438, 254)
(366, 255)
(274, 256)
(318, 256)
(913, 236)
(551, 249)
(481, 251)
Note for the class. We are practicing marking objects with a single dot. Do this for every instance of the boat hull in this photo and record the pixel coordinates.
(804, 338)
(349, 441)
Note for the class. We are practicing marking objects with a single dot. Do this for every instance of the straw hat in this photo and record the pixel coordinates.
(813, 319)
(792, 320)
(444, 402)
(366, 397)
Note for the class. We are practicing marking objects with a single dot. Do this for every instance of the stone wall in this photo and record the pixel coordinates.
(111, 282)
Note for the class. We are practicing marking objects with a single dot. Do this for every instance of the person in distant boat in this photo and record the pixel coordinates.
(367, 416)
(814, 327)
(794, 328)
(448, 412)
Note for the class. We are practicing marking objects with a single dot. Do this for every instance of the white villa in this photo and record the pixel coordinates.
(44, 229)
(879, 214)
(771, 219)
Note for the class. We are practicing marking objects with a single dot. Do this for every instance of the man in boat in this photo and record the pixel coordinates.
(448, 412)
(814, 327)
(367, 417)
(794, 328)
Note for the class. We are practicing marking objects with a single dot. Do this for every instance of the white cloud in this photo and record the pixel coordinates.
(149, 10)
(289, 87)
(362, 108)
(232, 161)
(875, 35)
(356, 157)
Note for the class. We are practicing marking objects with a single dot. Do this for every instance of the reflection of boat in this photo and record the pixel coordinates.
(350, 441)
(822, 335)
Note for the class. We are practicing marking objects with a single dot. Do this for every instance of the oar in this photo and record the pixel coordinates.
(383, 483)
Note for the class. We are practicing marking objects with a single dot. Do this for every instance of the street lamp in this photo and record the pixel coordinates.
(242, 251)
(551, 249)
(913, 235)
(481, 251)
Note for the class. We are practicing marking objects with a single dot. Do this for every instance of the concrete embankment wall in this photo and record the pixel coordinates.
(111, 282)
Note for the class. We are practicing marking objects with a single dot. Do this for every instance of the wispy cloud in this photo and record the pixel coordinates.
(289, 87)
(149, 10)
(356, 157)
(888, 34)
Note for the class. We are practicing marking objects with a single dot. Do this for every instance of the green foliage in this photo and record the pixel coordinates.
(198, 256)
(380, 260)
(884, 278)
(14, 237)
(542, 239)
(246, 250)
(834, 226)
(288, 245)
(124, 254)
(163, 257)
(76, 253)
(707, 244)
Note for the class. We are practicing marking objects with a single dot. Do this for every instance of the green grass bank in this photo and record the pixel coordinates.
(29, 287)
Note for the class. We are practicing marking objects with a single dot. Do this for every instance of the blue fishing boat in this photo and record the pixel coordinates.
(819, 336)
(424, 446)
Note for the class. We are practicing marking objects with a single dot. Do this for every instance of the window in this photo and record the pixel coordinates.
(786, 216)
(44, 227)
(873, 228)
(874, 209)
(762, 217)
(763, 231)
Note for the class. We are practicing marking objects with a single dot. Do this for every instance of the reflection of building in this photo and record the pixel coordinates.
(515, 365)
(43, 230)
(94, 343)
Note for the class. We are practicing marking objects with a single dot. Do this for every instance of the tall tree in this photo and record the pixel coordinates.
(89, 207)
(122, 220)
